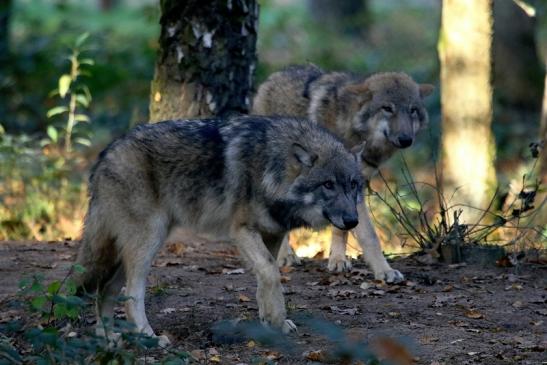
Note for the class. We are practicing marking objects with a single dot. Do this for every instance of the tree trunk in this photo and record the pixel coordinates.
(5, 15)
(518, 69)
(466, 98)
(207, 58)
(543, 138)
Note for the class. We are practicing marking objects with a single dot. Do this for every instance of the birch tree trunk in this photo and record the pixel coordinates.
(466, 98)
(207, 58)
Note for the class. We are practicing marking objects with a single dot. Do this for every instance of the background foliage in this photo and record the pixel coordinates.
(42, 189)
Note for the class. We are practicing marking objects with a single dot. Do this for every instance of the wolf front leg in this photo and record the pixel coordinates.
(269, 293)
(372, 251)
(337, 257)
(286, 255)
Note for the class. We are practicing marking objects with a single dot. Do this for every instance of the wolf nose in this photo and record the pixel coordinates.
(405, 140)
(350, 221)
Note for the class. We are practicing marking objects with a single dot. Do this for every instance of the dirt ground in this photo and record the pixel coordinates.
(443, 314)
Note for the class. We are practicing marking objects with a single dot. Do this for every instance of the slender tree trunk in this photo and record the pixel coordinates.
(207, 58)
(518, 69)
(467, 140)
(5, 15)
(543, 137)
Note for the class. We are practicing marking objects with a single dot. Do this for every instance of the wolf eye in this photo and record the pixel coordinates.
(328, 185)
(353, 184)
(387, 109)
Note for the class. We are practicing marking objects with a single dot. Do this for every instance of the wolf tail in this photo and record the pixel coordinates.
(97, 253)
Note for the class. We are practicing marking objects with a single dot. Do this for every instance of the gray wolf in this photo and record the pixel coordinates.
(248, 179)
(385, 109)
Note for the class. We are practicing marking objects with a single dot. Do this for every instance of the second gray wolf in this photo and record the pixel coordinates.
(385, 109)
(248, 179)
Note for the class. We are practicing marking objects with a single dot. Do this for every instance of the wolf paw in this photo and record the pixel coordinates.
(342, 264)
(389, 276)
(288, 327)
(289, 259)
(163, 341)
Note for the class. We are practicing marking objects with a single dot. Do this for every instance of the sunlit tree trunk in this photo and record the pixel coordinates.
(467, 140)
(207, 58)
(543, 137)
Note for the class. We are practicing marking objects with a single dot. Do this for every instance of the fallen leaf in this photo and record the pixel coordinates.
(198, 355)
(243, 298)
(348, 311)
(286, 269)
(378, 292)
(473, 313)
(285, 279)
(518, 304)
(447, 288)
(272, 355)
(365, 285)
(319, 356)
(168, 310)
(176, 248)
(234, 271)
(386, 348)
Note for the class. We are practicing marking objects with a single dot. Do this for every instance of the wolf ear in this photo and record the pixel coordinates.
(303, 156)
(357, 152)
(426, 90)
(360, 92)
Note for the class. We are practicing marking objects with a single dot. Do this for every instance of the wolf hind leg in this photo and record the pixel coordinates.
(286, 255)
(106, 302)
(372, 251)
(139, 247)
(269, 292)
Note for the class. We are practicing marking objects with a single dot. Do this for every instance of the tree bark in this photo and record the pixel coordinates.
(543, 137)
(5, 15)
(466, 98)
(518, 69)
(206, 60)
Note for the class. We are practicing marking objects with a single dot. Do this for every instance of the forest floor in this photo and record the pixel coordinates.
(442, 314)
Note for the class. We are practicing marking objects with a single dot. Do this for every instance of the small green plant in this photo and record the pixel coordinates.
(431, 226)
(52, 335)
(74, 96)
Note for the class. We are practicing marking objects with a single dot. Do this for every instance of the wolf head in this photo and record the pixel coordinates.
(328, 185)
(388, 108)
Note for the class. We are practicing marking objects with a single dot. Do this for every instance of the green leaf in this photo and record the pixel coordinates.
(52, 133)
(38, 302)
(56, 110)
(87, 61)
(64, 84)
(81, 118)
(81, 39)
(70, 287)
(83, 141)
(82, 100)
(54, 287)
(79, 268)
(72, 312)
(59, 311)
